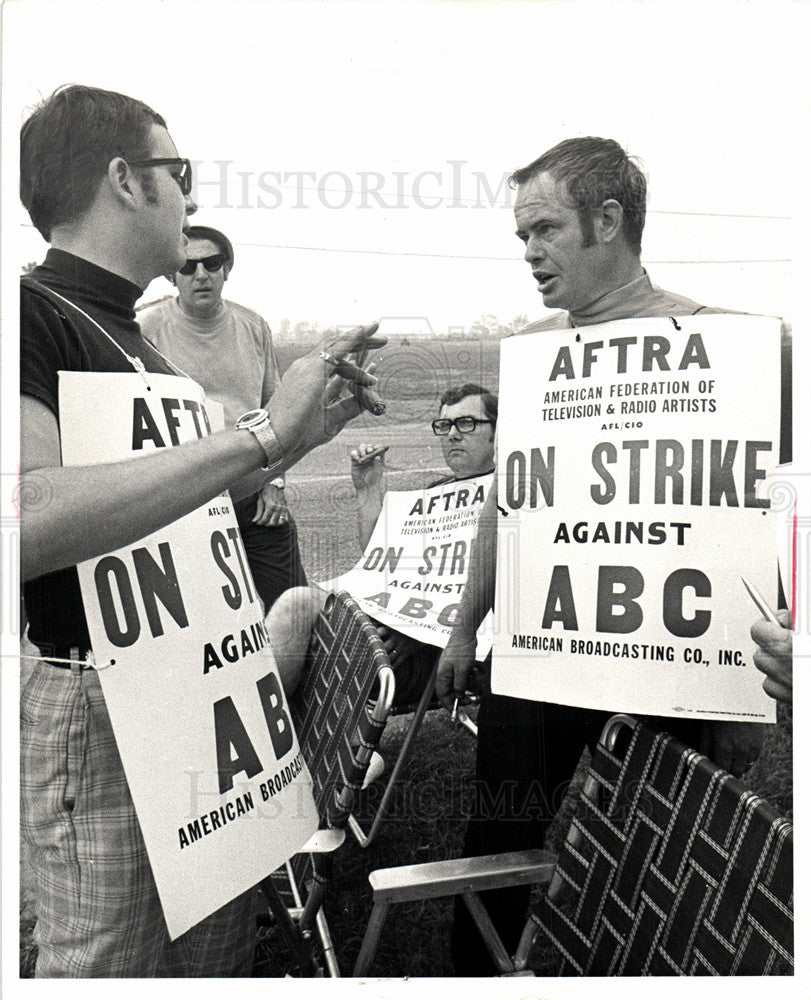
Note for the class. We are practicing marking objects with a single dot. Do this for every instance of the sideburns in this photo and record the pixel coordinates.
(148, 185)
(586, 219)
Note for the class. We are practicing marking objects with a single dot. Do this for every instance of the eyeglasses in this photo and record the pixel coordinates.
(211, 264)
(184, 178)
(464, 425)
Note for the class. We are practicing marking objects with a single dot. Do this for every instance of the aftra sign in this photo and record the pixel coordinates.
(414, 569)
(712, 472)
(642, 528)
(213, 764)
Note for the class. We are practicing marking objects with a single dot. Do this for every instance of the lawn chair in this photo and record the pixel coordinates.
(670, 867)
(427, 701)
(338, 729)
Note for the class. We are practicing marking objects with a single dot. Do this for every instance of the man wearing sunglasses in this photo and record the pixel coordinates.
(229, 351)
(466, 428)
(103, 184)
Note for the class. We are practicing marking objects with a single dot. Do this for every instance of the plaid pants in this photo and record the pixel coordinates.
(98, 912)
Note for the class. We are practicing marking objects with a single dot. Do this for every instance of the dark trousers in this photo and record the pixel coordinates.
(526, 755)
(273, 553)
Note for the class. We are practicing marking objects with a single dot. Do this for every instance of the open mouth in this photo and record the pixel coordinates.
(542, 278)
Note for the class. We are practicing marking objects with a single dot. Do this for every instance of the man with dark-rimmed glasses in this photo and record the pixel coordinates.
(102, 182)
(466, 428)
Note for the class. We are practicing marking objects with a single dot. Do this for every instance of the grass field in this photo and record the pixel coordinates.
(430, 806)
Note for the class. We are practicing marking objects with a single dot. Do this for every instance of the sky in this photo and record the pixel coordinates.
(296, 113)
(356, 153)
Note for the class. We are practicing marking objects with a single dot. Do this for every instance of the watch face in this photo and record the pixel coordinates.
(253, 418)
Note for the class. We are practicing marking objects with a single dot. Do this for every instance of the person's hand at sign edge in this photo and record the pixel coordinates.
(735, 746)
(455, 665)
(398, 645)
(773, 655)
(271, 506)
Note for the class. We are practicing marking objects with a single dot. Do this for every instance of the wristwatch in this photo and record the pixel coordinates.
(258, 423)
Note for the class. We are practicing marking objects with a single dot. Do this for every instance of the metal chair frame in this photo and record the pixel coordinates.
(365, 839)
(669, 867)
(338, 729)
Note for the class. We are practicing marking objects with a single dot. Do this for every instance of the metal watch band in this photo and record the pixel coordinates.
(258, 423)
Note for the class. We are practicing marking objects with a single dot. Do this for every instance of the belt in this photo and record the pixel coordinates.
(59, 652)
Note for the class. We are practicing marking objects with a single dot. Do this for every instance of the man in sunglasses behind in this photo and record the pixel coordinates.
(228, 350)
(466, 428)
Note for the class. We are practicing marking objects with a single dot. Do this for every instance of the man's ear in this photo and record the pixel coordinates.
(226, 270)
(121, 181)
(610, 220)
(171, 277)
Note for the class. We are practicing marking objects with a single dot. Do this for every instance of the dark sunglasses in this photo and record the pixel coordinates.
(184, 178)
(211, 264)
(464, 425)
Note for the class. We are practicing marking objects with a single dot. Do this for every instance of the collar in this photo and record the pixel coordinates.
(201, 323)
(83, 282)
(628, 300)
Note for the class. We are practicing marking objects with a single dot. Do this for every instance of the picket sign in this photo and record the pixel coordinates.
(634, 465)
(222, 794)
(414, 569)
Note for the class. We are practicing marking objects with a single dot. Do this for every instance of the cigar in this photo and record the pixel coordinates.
(348, 370)
(370, 456)
(369, 399)
(360, 383)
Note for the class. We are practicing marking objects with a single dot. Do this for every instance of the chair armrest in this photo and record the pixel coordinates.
(458, 875)
(323, 842)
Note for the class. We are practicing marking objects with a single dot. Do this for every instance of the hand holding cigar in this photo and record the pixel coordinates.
(348, 370)
(360, 382)
(369, 398)
(370, 456)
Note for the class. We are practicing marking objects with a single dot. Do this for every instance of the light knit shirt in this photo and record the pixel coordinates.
(638, 298)
(231, 355)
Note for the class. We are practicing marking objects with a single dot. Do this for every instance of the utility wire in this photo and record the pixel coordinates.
(477, 201)
(457, 256)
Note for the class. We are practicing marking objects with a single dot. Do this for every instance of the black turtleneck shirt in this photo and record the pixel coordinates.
(53, 338)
